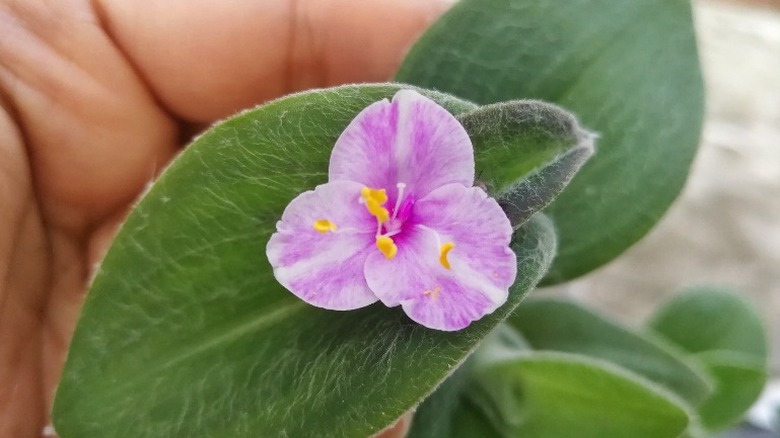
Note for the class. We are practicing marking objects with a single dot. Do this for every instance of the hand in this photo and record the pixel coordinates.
(97, 96)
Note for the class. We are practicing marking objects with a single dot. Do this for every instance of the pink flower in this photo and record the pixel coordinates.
(398, 221)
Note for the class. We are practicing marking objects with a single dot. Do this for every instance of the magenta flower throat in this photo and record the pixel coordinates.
(398, 221)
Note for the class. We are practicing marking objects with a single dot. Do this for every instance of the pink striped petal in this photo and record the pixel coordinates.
(482, 267)
(325, 269)
(410, 140)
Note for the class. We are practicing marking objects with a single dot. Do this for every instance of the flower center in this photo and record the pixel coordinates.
(388, 225)
(374, 200)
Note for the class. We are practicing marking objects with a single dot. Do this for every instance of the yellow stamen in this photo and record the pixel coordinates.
(445, 249)
(380, 196)
(324, 225)
(374, 199)
(434, 293)
(386, 246)
(377, 210)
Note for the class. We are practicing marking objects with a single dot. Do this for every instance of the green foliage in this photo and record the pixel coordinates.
(707, 319)
(557, 325)
(185, 332)
(569, 371)
(572, 395)
(552, 145)
(630, 72)
(726, 335)
(513, 391)
(435, 417)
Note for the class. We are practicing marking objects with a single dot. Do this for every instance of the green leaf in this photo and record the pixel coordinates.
(502, 344)
(470, 422)
(186, 333)
(739, 382)
(562, 395)
(707, 319)
(725, 334)
(434, 417)
(552, 145)
(447, 412)
(550, 324)
(628, 69)
(506, 390)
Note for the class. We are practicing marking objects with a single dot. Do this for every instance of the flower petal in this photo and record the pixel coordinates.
(477, 226)
(482, 267)
(410, 140)
(325, 267)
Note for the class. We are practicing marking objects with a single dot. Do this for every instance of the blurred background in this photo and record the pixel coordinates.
(725, 227)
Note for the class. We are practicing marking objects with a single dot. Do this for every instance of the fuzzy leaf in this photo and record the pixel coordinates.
(723, 332)
(544, 394)
(738, 383)
(448, 412)
(550, 324)
(551, 143)
(185, 331)
(628, 69)
(708, 319)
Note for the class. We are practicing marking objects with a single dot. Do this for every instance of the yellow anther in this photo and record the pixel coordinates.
(324, 225)
(374, 199)
(386, 246)
(380, 196)
(443, 252)
(377, 210)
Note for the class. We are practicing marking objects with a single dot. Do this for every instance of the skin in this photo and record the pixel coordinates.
(95, 99)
